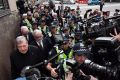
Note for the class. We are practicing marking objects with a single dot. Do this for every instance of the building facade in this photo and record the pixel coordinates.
(9, 21)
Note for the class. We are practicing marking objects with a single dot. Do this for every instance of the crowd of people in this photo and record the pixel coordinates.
(55, 36)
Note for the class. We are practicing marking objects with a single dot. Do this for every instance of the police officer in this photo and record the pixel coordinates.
(63, 51)
(78, 36)
(53, 30)
(80, 55)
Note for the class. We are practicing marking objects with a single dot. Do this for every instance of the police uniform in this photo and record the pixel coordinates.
(59, 60)
(64, 55)
(80, 50)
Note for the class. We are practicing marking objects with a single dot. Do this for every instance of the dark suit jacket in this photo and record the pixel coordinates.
(30, 37)
(19, 60)
(43, 51)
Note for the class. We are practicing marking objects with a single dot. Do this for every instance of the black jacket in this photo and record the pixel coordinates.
(19, 60)
(29, 37)
(43, 51)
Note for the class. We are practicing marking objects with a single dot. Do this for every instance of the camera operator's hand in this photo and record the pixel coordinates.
(93, 78)
(68, 75)
(52, 70)
(116, 36)
(54, 73)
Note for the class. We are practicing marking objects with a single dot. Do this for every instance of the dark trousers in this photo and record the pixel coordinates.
(101, 7)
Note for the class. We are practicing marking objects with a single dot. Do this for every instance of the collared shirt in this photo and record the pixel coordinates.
(40, 43)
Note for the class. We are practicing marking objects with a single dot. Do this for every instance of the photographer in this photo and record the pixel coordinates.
(82, 68)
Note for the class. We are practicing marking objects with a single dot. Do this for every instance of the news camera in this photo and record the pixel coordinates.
(106, 51)
(101, 72)
(101, 28)
(30, 73)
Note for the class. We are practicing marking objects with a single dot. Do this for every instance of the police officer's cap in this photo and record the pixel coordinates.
(77, 32)
(80, 49)
(65, 40)
(35, 23)
(65, 28)
(54, 24)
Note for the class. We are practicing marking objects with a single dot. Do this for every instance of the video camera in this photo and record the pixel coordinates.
(100, 71)
(106, 50)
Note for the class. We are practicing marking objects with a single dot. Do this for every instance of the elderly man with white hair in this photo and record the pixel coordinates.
(25, 32)
(24, 55)
(40, 42)
(43, 46)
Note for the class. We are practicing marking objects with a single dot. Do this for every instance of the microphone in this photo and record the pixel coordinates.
(24, 70)
(29, 71)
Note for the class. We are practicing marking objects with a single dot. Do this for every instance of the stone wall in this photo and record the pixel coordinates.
(8, 28)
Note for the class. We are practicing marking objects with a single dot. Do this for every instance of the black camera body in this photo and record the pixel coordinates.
(106, 51)
(102, 72)
(117, 10)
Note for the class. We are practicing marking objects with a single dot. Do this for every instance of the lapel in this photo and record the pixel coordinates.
(40, 45)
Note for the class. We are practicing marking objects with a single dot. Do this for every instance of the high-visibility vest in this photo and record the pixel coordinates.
(29, 25)
(63, 55)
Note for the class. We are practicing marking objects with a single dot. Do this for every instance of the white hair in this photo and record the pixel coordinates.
(54, 14)
(36, 31)
(20, 39)
(25, 28)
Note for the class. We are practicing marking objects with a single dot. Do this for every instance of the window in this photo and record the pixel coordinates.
(4, 8)
(4, 4)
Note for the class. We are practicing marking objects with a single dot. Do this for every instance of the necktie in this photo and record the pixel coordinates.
(41, 44)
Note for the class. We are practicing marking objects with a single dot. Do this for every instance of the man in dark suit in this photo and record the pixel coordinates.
(41, 43)
(43, 46)
(25, 32)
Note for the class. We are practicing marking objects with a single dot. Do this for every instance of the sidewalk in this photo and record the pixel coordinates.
(107, 7)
